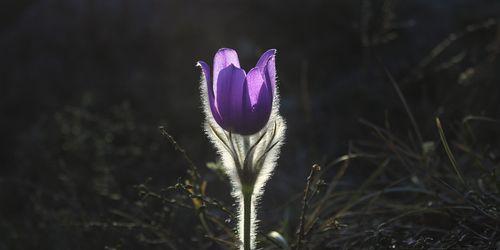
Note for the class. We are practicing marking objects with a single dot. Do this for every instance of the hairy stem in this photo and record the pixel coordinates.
(247, 218)
(247, 199)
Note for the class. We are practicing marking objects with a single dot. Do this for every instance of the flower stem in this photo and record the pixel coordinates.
(247, 218)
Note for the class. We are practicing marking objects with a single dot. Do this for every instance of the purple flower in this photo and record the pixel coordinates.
(241, 102)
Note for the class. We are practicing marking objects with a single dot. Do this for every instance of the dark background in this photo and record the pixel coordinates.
(84, 85)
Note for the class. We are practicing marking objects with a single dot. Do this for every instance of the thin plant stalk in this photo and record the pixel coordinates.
(448, 150)
(247, 219)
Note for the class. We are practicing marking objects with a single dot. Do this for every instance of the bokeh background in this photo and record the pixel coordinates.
(85, 84)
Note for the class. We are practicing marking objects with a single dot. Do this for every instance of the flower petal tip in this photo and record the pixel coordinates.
(273, 51)
(265, 57)
(225, 50)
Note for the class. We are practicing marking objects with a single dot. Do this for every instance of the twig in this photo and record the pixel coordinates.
(345, 159)
(195, 175)
(155, 229)
(315, 168)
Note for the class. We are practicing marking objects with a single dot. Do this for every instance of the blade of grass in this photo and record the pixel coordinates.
(448, 150)
(405, 104)
(353, 201)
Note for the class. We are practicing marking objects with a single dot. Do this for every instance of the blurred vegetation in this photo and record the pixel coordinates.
(396, 102)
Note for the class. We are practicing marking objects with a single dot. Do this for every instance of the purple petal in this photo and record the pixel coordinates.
(255, 80)
(229, 96)
(264, 58)
(269, 73)
(257, 111)
(222, 59)
(205, 71)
